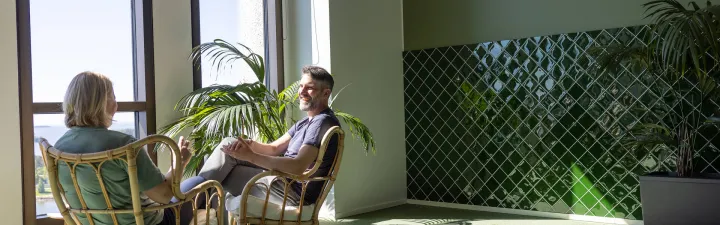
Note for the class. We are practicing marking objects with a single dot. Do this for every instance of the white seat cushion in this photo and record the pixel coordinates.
(255, 206)
(255, 209)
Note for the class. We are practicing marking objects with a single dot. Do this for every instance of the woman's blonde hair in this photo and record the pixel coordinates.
(86, 101)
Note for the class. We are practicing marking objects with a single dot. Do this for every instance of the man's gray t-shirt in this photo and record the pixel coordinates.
(310, 132)
(114, 174)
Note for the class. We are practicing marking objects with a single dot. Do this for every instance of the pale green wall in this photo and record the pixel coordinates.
(173, 69)
(11, 206)
(366, 50)
(434, 23)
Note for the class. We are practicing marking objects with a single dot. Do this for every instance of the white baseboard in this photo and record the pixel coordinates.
(384, 205)
(528, 212)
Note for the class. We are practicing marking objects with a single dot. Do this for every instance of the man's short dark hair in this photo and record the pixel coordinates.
(320, 75)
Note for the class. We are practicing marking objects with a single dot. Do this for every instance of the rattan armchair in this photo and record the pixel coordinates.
(128, 154)
(289, 214)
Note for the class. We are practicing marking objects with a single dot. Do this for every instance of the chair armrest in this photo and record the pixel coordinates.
(199, 189)
(203, 187)
(196, 191)
(287, 175)
(175, 161)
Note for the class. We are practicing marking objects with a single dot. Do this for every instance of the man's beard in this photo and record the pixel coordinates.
(309, 105)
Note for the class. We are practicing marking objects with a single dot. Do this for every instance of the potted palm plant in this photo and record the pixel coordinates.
(249, 109)
(682, 50)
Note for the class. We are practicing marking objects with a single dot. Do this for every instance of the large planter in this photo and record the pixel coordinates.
(668, 199)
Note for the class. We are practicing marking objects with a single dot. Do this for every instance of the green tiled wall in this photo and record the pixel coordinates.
(528, 124)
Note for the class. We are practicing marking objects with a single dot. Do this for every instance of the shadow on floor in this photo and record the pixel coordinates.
(427, 215)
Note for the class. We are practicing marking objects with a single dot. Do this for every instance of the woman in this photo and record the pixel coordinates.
(89, 107)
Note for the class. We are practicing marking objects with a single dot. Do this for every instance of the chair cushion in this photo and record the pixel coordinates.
(255, 209)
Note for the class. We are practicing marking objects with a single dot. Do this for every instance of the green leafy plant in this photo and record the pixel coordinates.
(250, 110)
(683, 51)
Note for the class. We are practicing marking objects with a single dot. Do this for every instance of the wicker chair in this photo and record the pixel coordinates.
(295, 213)
(53, 157)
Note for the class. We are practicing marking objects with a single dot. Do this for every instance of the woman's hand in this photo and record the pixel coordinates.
(185, 153)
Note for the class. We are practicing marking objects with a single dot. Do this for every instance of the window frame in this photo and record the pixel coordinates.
(143, 106)
(273, 35)
(274, 51)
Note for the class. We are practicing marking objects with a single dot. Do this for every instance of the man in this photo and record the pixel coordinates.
(235, 162)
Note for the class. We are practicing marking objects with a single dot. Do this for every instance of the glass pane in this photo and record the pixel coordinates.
(72, 36)
(235, 21)
(52, 127)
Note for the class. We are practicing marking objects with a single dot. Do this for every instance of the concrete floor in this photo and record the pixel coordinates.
(426, 215)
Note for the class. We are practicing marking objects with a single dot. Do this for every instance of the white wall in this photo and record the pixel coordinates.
(11, 206)
(366, 49)
(173, 80)
(433, 23)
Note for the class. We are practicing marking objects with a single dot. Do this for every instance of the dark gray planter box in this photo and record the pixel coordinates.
(668, 199)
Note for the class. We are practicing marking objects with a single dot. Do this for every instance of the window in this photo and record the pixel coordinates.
(64, 38)
(236, 21)
(253, 23)
(69, 37)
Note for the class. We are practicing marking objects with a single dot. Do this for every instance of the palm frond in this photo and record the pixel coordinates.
(222, 54)
(201, 96)
(712, 120)
(358, 130)
(710, 87)
(650, 135)
(228, 121)
(221, 95)
(332, 98)
(175, 127)
(290, 93)
(614, 56)
(687, 35)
